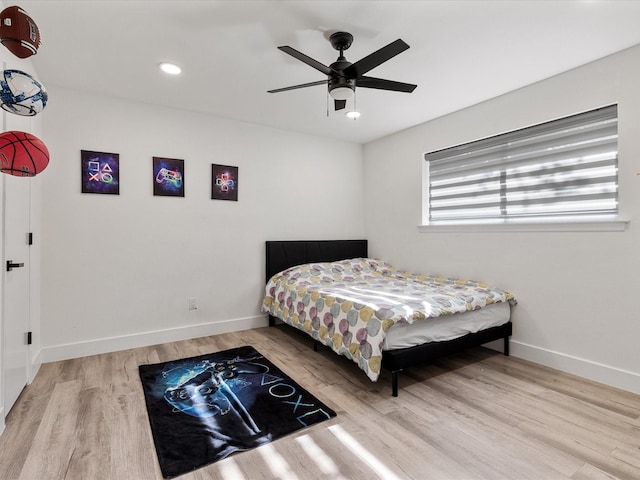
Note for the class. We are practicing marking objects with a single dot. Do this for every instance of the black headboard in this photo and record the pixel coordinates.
(284, 254)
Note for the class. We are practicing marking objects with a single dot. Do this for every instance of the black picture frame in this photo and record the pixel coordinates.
(100, 172)
(168, 177)
(224, 182)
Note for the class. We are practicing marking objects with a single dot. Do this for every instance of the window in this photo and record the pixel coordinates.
(566, 169)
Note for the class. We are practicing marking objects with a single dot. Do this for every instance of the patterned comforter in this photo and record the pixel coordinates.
(349, 305)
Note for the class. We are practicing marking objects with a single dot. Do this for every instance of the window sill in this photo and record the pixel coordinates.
(618, 225)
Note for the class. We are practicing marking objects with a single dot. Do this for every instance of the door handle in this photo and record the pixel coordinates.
(11, 265)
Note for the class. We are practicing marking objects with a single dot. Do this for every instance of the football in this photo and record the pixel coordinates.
(21, 94)
(18, 32)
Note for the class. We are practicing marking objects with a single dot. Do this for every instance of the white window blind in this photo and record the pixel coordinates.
(566, 168)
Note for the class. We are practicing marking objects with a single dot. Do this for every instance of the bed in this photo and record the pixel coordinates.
(462, 314)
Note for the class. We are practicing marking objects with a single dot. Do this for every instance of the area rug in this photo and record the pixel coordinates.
(204, 408)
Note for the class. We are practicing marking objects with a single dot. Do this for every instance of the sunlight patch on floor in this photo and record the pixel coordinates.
(367, 457)
(276, 462)
(230, 470)
(326, 465)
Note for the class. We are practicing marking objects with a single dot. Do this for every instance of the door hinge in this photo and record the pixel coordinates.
(29, 338)
(30, 239)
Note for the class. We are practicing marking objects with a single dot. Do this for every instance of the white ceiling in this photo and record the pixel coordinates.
(462, 52)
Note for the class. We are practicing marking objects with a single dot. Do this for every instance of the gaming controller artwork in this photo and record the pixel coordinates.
(171, 176)
(168, 176)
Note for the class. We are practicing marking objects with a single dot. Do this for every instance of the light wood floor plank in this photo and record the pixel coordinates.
(609, 398)
(476, 415)
(628, 454)
(19, 436)
(488, 428)
(55, 440)
(566, 443)
(589, 472)
(395, 446)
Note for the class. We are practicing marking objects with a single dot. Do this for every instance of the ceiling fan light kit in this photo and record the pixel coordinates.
(341, 93)
(343, 76)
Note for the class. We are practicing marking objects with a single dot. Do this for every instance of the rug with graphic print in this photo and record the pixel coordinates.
(204, 408)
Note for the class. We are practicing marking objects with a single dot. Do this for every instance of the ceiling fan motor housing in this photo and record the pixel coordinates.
(337, 78)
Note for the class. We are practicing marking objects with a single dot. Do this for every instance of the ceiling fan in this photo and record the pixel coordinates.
(343, 77)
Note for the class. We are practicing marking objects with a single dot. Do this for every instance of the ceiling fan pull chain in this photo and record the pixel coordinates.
(355, 105)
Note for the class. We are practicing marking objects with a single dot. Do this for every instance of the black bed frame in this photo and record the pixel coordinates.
(284, 254)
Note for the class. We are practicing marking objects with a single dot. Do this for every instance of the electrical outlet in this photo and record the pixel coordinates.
(193, 303)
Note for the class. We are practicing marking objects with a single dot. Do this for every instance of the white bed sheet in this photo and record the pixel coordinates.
(446, 327)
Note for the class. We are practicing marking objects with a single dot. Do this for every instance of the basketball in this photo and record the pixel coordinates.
(18, 32)
(22, 154)
(21, 94)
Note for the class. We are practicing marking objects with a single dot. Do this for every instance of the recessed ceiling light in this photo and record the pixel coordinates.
(170, 68)
(353, 115)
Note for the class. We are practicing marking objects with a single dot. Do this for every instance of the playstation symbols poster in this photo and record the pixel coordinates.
(100, 172)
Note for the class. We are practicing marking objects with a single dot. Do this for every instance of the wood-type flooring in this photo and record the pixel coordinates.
(474, 415)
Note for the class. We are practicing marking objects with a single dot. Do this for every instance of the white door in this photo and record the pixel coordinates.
(16, 198)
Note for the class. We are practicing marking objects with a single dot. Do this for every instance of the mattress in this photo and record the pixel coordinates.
(441, 329)
(349, 305)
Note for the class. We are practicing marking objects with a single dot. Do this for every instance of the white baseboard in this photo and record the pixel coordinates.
(113, 344)
(615, 377)
(36, 363)
(612, 376)
(2, 425)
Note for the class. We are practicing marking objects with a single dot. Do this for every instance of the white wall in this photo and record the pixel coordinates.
(577, 291)
(117, 270)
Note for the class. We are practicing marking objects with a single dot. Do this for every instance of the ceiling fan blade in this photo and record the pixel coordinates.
(370, 62)
(306, 59)
(382, 84)
(340, 104)
(302, 85)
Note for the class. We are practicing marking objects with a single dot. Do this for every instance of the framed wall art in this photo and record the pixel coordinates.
(224, 182)
(100, 172)
(168, 177)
